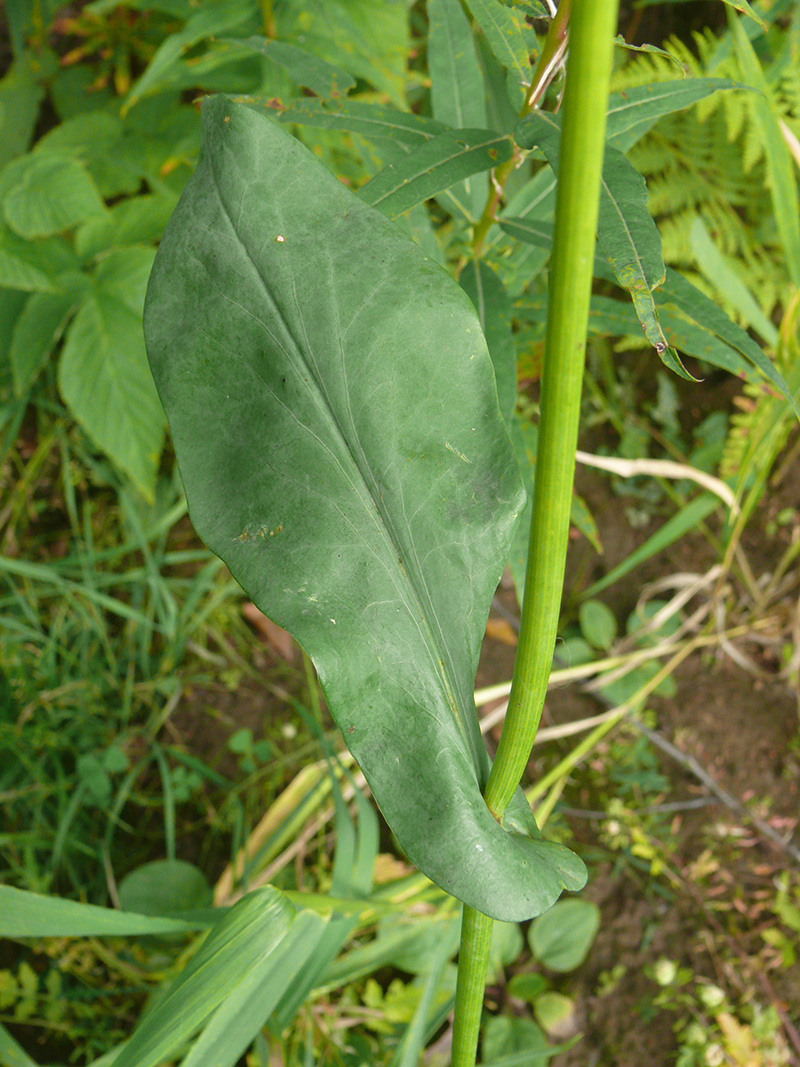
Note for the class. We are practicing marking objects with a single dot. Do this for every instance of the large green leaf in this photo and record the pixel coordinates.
(335, 416)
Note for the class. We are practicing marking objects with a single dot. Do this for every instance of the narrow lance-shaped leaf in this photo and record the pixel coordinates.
(206, 23)
(302, 67)
(782, 177)
(374, 121)
(634, 111)
(625, 228)
(335, 417)
(24, 914)
(502, 27)
(458, 96)
(434, 167)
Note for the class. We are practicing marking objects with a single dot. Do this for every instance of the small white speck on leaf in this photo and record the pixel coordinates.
(280, 239)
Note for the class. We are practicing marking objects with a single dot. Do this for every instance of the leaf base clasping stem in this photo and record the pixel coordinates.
(592, 28)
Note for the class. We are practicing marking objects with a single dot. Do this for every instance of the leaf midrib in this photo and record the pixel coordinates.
(440, 655)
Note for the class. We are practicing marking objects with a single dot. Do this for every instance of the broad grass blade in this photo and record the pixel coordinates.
(24, 914)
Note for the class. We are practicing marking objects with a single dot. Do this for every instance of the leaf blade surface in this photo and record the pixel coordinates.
(335, 414)
(433, 167)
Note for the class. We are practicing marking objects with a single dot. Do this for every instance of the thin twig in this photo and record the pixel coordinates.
(691, 764)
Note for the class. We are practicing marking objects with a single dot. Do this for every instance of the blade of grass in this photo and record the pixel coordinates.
(12, 1054)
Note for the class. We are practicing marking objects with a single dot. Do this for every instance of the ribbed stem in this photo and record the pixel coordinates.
(592, 29)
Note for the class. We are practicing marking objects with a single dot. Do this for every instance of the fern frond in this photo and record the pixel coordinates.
(710, 161)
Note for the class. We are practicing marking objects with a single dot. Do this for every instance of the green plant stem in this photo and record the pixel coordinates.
(592, 27)
(473, 959)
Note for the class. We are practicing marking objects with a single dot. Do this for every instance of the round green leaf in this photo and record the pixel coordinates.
(554, 1013)
(527, 986)
(163, 887)
(335, 416)
(598, 623)
(562, 937)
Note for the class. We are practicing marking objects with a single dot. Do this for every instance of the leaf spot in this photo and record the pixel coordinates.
(280, 239)
(455, 452)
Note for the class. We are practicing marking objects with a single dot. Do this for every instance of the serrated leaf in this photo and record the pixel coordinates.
(103, 374)
(52, 194)
(138, 219)
(435, 166)
(34, 266)
(20, 96)
(334, 410)
(39, 329)
(374, 121)
(316, 74)
(115, 155)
